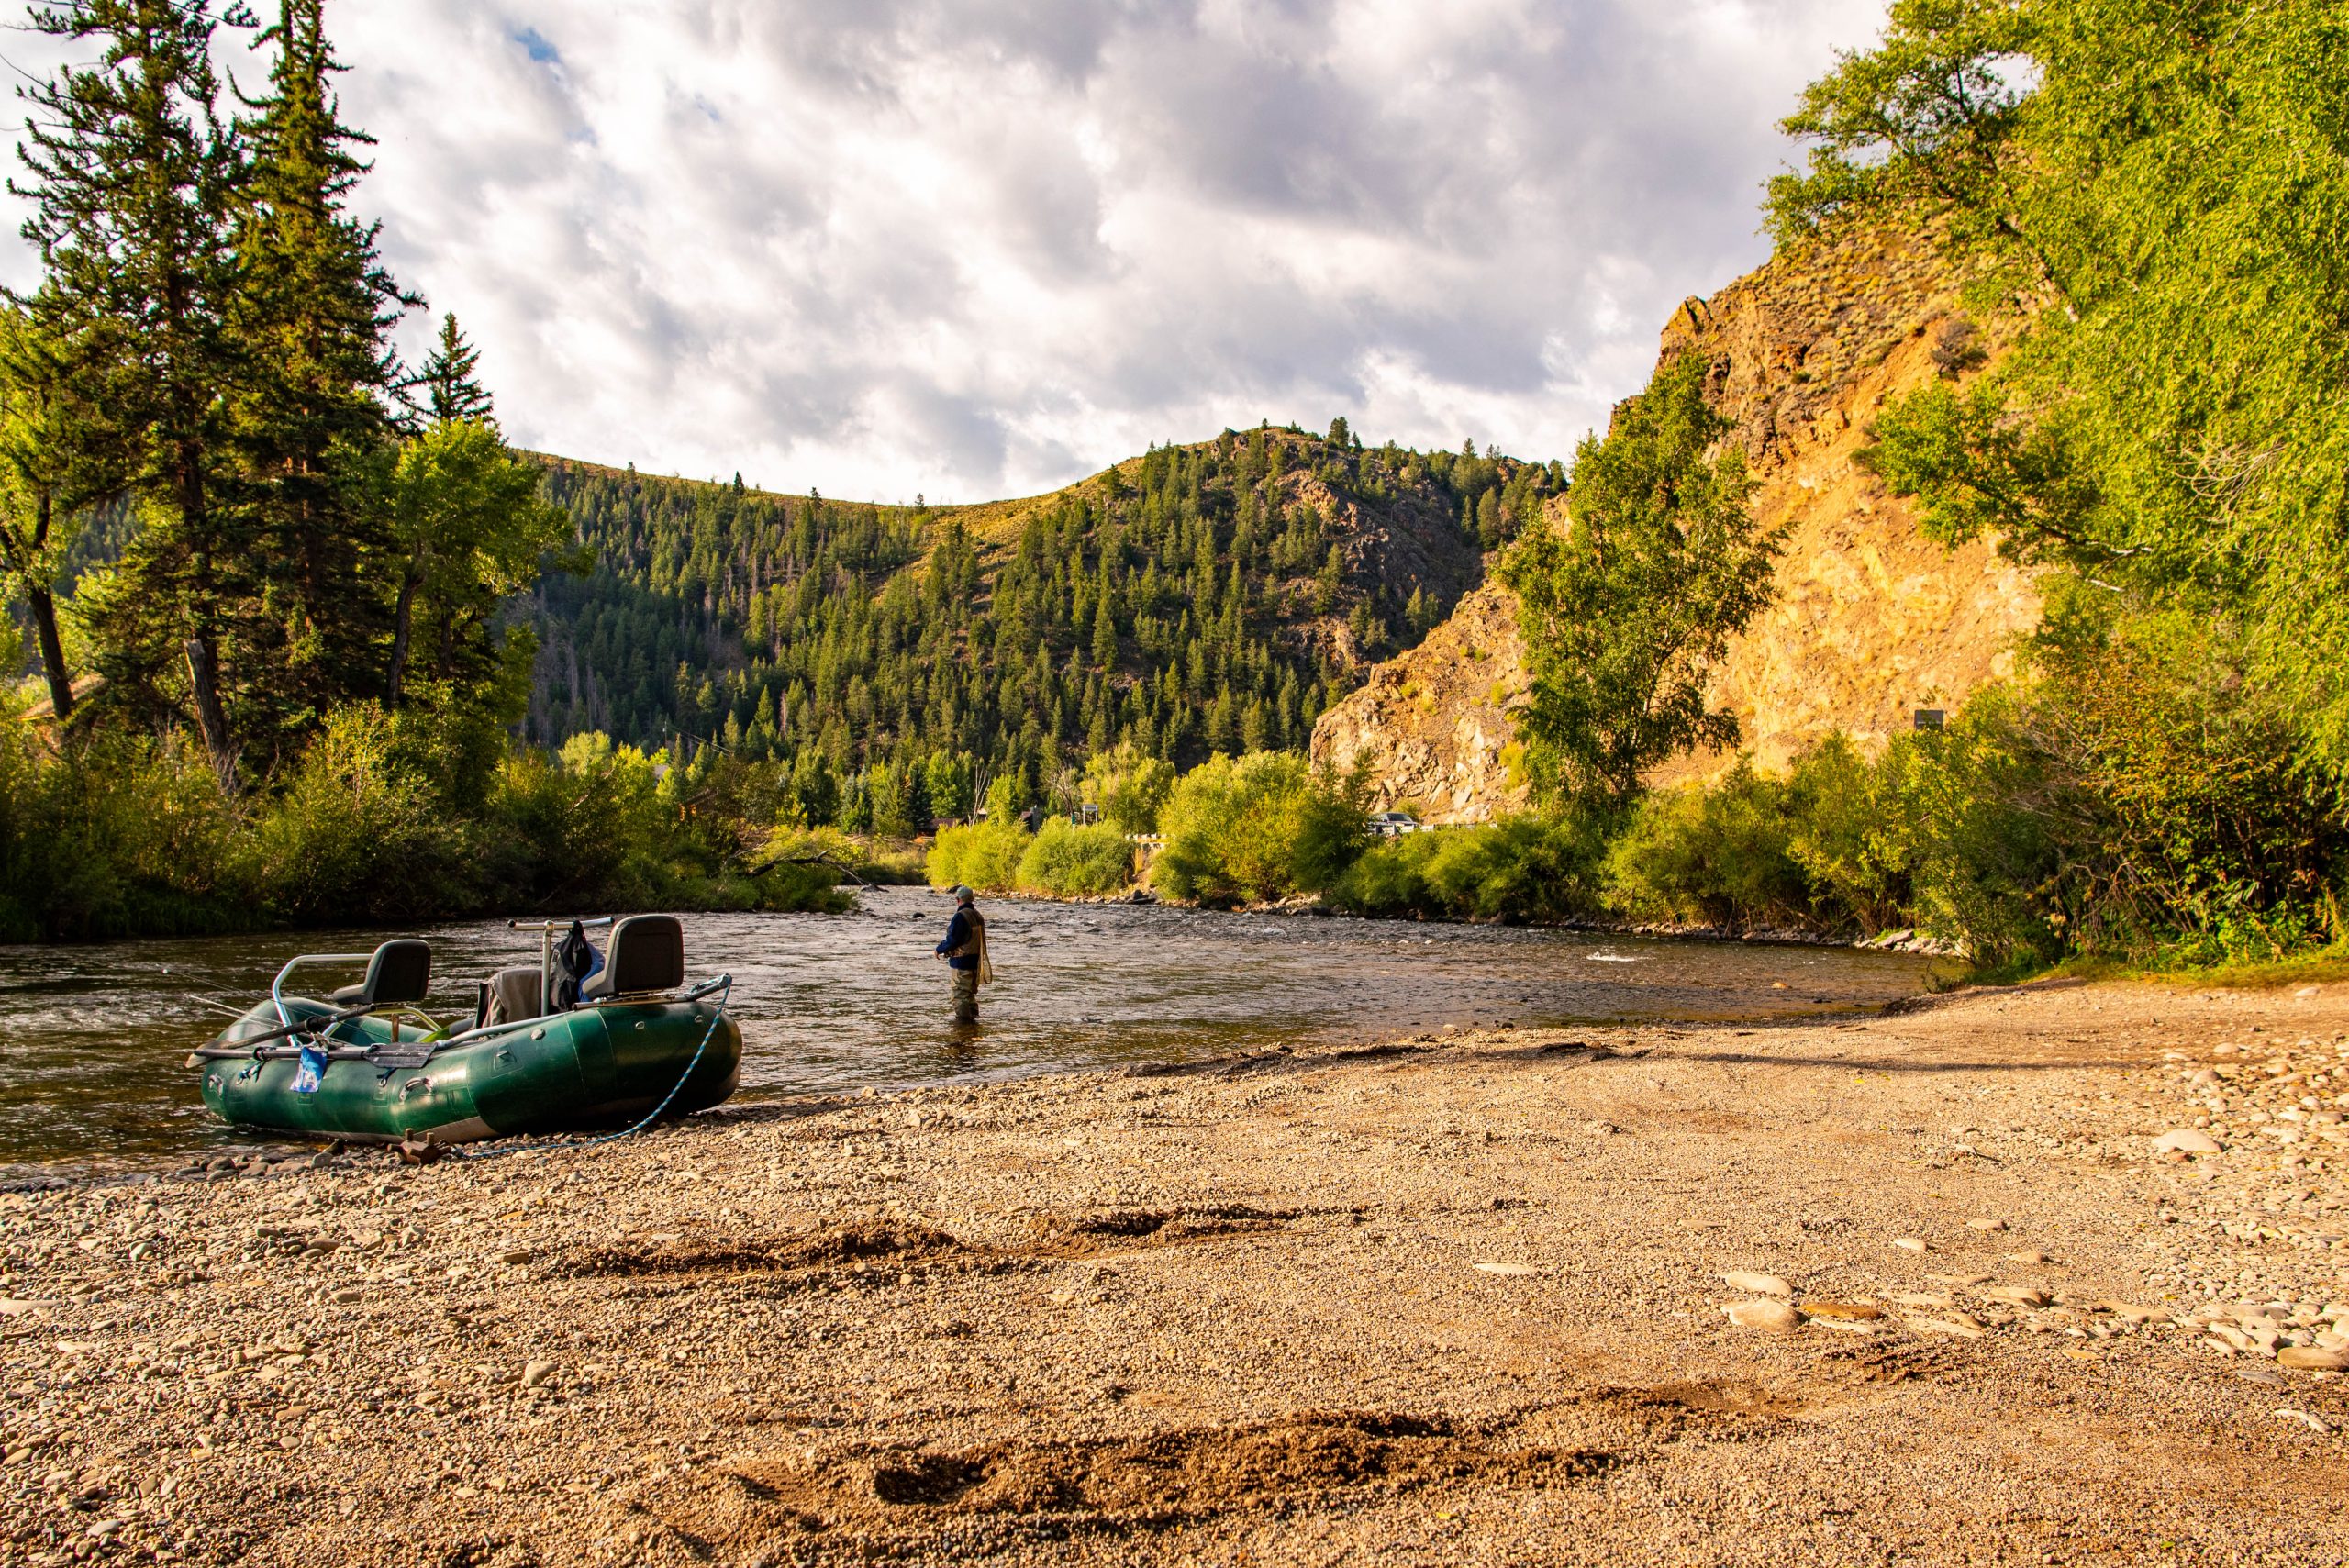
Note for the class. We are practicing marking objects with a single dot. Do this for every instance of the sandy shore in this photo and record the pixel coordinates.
(1456, 1299)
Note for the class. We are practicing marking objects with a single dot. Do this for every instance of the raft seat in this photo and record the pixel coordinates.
(646, 955)
(510, 996)
(398, 974)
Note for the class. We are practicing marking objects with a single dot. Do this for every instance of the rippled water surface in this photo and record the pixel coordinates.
(91, 1039)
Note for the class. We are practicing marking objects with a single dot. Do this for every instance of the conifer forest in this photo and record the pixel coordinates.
(1207, 599)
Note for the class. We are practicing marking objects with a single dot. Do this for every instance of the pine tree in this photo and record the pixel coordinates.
(1105, 635)
(450, 380)
(133, 177)
(1421, 613)
(312, 319)
(1325, 583)
(1490, 532)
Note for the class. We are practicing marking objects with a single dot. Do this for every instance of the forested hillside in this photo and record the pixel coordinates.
(1199, 599)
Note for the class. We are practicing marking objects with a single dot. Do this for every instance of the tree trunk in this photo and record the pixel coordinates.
(401, 619)
(203, 658)
(53, 652)
(204, 676)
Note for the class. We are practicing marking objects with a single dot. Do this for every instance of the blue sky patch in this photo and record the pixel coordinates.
(535, 45)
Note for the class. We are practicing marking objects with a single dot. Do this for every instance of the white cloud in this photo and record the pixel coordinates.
(972, 249)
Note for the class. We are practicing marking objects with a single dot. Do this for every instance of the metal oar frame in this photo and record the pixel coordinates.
(313, 1030)
(258, 1049)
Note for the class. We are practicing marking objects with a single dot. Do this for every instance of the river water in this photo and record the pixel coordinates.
(93, 1038)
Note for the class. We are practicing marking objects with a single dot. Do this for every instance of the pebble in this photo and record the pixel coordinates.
(11, 1308)
(1985, 1225)
(1775, 1315)
(1843, 1311)
(1957, 1324)
(2016, 1295)
(2026, 1258)
(537, 1372)
(1508, 1271)
(2188, 1140)
(2133, 1313)
(1908, 1244)
(2308, 1358)
(1756, 1284)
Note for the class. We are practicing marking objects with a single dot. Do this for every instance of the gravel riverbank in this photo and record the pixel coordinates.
(1465, 1297)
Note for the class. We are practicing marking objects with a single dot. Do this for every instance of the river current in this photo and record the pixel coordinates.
(93, 1038)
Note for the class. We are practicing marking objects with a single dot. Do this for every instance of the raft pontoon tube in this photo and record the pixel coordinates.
(367, 1065)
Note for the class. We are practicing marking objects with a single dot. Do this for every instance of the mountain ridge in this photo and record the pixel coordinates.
(1247, 581)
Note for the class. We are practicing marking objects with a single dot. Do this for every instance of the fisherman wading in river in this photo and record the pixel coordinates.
(965, 951)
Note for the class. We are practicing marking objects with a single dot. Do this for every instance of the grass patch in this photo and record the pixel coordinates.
(2317, 968)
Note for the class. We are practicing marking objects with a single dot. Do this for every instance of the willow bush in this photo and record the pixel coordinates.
(1527, 867)
(1069, 860)
(984, 855)
(1258, 827)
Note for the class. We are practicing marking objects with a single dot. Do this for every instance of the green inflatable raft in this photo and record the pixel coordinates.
(365, 1065)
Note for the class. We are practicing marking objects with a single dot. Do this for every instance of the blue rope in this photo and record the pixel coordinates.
(716, 1014)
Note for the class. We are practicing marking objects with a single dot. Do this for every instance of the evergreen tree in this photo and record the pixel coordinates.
(134, 175)
(451, 383)
(815, 790)
(311, 318)
(1420, 612)
(1105, 636)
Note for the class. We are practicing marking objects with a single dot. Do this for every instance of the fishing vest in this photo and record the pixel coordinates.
(974, 944)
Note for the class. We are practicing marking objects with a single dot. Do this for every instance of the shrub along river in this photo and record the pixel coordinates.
(93, 1038)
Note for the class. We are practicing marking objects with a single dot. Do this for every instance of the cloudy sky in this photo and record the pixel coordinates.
(978, 247)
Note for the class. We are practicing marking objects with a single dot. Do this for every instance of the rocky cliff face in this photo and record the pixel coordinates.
(1872, 620)
(1437, 725)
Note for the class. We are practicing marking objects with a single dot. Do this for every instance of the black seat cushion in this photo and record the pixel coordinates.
(647, 954)
(399, 974)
